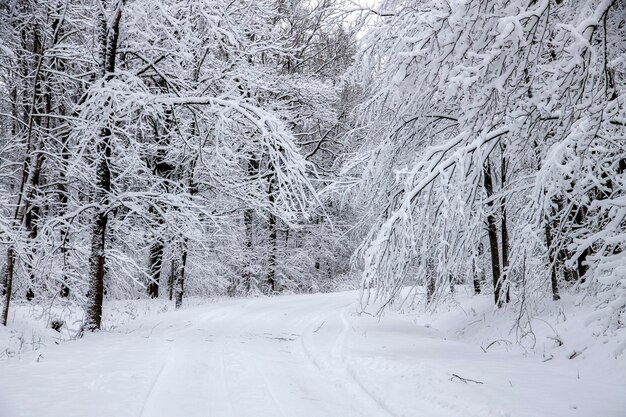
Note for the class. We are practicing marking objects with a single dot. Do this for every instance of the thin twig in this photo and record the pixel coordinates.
(465, 380)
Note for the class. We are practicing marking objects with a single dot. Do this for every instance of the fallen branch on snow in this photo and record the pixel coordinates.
(319, 327)
(465, 380)
(498, 341)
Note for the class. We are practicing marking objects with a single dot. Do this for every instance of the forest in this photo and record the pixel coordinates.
(408, 153)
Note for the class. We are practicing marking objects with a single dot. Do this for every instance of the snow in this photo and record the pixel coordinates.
(312, 355)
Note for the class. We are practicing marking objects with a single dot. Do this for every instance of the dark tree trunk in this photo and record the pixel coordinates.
(477, 273)
(271, 276)
(476, 278)
(62, 188)
(97, 261)
(431, 280)
(563, 253)
(246, 276)
(95, 295)
(180, 276)
(8, 284)
(156, 261)
(31, 218)
(39, 105)
(492, 230)
(581, 265)
(581, 262)
(504, 232)
(171, 280)
(553, 263)
(248, 221)
(163, 169)
(63, 200)
(179, 285)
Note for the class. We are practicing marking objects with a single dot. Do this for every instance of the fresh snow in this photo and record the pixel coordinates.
(313, 356)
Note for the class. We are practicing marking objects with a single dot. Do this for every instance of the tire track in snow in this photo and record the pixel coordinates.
(271, 392)
(227, 335)
(149, 399)
(237, 330)
(349, 372)
(339, 363)
(186, 352)
(229, 399)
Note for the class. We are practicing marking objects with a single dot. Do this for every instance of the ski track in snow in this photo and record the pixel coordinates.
(338, 365)
(257, 358)
(291, 356)
(156, 380)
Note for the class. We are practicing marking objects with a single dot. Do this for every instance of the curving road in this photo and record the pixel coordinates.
(237, 358)
(308, 356)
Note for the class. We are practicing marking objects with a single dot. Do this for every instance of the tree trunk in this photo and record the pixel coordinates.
(30, 171)
(477, 273)
(31, 218)
(40, 105)
(476, 278)
(581, 262)
(180, 280)
(156, 261)
(246, 276)
(551, 258)
(163, 169)
(504, 231)
(64, 201)
(271, 276)
(171, 280)
(431, 280)
(95, 295)
(97, 261)
(180, 277)
(8, 284)
(492, 230)
(248, 221)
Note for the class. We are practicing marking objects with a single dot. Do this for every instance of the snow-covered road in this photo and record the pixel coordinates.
(291, 356)
(253, 357)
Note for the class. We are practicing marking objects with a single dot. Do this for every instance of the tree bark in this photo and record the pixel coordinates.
(8, 284)
(492, 230)
(581, 262)
(477, 273)
(248, 221)
(271, 276)
(64, 202)
(156, 261)
(431, 280)
(163, 169)
(171, 280)
(504, 231)
(97, 261)
(31, 218)
(180, 280)
(552, 259)
(180, 277)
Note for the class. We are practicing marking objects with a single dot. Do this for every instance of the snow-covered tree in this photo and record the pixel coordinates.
(490, 123)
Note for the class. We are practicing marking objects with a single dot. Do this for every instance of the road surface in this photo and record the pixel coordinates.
(312, 356)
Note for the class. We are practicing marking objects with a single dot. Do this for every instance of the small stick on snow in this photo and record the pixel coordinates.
(319, 327)
(497, 341)
(465, 380)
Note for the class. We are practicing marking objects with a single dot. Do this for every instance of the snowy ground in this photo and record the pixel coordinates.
(309, 355)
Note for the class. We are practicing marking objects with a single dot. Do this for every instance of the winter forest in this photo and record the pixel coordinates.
(313, 208)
